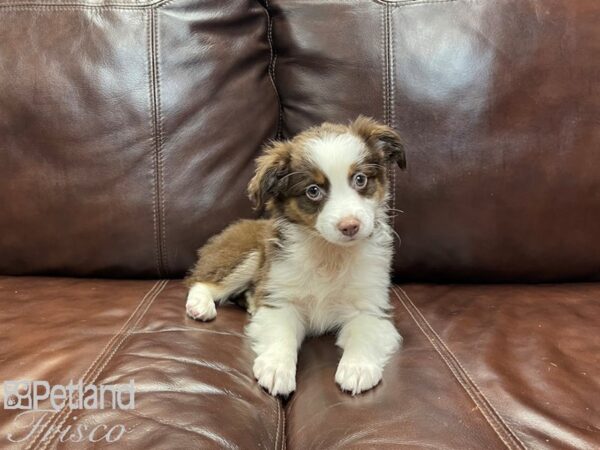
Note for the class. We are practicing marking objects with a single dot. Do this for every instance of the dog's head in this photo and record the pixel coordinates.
(331, 178)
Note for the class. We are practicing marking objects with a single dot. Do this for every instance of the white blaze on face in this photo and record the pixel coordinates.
(335, 155)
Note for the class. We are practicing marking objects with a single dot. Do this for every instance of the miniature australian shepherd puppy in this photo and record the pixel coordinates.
(319, 263)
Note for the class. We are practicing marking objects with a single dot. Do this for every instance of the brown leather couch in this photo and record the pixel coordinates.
(128, 130)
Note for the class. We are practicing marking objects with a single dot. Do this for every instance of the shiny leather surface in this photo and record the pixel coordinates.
(127, 135)
(483, 366)
(194, 383)
(497, 102)
(127, 131)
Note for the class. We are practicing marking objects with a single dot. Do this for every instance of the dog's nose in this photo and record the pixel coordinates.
(349, 226)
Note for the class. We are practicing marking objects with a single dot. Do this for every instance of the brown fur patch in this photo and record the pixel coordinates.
(224, 252)
(375, 170)
(380, 137)
(219, 258)
(278, 187)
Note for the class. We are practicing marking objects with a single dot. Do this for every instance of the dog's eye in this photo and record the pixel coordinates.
(359, 180)
(314, 192)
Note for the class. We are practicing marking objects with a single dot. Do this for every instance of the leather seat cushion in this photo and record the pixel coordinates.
(194, 382)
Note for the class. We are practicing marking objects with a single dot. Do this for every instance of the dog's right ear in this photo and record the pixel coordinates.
(271, 168)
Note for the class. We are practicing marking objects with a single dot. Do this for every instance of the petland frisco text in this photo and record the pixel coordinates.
(42, 405)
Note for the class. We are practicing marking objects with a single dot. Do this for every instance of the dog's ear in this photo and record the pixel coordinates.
(271, 168)
(381, 137)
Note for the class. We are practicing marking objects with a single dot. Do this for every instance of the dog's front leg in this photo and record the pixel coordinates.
(276, 335)
(368, 342)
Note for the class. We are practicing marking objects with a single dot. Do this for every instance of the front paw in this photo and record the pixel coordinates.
(277, 374)
(200, 304)
(357, 376)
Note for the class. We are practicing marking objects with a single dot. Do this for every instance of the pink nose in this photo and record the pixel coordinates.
(349, 226)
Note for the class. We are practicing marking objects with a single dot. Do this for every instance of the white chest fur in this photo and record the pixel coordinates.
(328, 284)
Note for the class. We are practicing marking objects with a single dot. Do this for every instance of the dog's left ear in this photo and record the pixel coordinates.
(381, 137)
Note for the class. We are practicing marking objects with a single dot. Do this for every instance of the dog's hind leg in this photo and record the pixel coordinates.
(204, 294)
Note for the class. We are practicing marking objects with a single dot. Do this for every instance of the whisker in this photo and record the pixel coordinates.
(378, 166)
(290, 174)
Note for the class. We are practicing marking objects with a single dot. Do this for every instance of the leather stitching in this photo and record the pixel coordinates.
(278, 420)
(157, 190)
(160, 156)
(272, 65)
(489, 413)
(98, 357)
(82, 6)
(399, 3)
(123, 334)
(283, 428)
(388, 97)
(149, 26)
(391, 105)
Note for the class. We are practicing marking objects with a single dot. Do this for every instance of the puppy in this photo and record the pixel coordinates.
(321, 262)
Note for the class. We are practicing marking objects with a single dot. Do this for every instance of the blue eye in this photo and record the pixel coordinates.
(314, 192)
(359, 180)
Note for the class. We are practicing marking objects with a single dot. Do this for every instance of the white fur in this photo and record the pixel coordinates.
(334, 155)
(368, 341)
(201, 298)
(316, 287)
(320, 281)
(277, 334)
(200, 303)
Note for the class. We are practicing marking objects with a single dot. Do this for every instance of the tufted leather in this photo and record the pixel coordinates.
(481, 367)
(497, 102)
(194, 383)
(128, 131)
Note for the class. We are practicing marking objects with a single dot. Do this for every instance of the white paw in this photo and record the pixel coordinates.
(357, 376)
(200, 304)
(276, 374)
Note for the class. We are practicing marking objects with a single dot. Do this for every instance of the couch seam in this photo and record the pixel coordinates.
(157, 188)
(161, 141)
(95, 361)
(487, 410)
(272, 66)
(283, 427)
(277, 428)
(392, 106)
(400, 3)
(388, 90)
(123, 334)
(149, 26)
(16, 6)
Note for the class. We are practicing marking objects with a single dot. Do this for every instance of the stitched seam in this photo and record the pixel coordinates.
(149, 25)
(387, 97)
(271, 68)
(16, 6)
(283, 429)
(494, 419)
(122, 338)
(95, 361)
(400, 3)
(391, 105)
(156, 153)
(384, 62)
(161, 153)
(278, 419)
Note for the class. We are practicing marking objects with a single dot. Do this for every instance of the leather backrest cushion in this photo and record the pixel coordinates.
(127, 130)
(498, 103)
